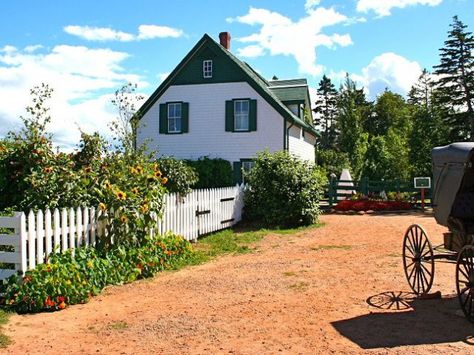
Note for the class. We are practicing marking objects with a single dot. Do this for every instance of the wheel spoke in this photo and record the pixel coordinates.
(423, 246)
(418, 279)
(461, 271)
(410, 249)
(411, 273)
(413, 239)
(464, 290)
(410, 241)
(424, 267)
(409, 265)
(465, 301)
(423, 280)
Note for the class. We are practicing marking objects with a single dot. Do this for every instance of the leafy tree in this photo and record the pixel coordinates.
(352, 138)
(390, 111)
(124, 127)
(326, 111)
(332, 161)
(455, 83)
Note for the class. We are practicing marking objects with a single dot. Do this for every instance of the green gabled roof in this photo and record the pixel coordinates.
(255, 80)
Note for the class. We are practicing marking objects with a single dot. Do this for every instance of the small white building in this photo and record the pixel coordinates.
(212, 104)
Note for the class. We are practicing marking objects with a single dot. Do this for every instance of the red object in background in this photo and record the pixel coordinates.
(366, 205)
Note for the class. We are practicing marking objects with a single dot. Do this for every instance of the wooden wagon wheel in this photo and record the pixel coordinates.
(465, 281)
(418, 261)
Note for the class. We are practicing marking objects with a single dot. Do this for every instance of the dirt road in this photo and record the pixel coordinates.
(322, 291)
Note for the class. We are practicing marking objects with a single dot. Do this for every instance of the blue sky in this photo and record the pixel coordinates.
(87, 49)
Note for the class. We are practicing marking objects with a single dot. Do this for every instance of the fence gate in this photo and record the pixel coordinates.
(217, 209)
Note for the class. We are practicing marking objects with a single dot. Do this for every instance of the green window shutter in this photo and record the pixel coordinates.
(163, 119)
(185, 117)
(237, 169)
(253, 115)
(229, 116)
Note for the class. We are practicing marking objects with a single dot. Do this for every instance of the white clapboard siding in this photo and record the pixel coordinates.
(36, 235)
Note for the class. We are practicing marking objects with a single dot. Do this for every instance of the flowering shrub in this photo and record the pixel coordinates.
(374, 205)
(74, 278)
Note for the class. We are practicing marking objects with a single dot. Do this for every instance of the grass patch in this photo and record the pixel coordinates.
(300, 286)
(120, 325)
(329, 247)
(4, 339)
(289, 273)
(233, 241)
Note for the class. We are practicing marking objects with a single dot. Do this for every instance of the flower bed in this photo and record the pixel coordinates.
(74, 278)
(372, 205)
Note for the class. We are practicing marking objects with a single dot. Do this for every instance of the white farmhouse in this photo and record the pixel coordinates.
(212, 104)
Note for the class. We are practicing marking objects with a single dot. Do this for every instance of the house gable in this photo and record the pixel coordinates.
(226, 68)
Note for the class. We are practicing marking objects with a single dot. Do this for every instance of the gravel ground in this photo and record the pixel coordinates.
(321, 291)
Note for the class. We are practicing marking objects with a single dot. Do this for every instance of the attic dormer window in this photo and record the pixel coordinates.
(207, 69)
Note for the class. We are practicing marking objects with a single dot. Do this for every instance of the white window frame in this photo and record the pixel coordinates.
(207, 68)
(238, 116)
(176, 118)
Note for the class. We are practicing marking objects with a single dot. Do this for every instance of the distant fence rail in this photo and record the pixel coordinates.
(341, 189)
(28, 239)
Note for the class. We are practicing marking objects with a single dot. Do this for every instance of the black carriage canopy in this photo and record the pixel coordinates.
(453, 177)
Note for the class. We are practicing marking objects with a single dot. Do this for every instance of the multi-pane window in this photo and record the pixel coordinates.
(247, 165)
(174, 117)
(207, 69)
(241, 115)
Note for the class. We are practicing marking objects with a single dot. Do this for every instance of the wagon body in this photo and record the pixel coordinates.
(453, 196)
(453, 206)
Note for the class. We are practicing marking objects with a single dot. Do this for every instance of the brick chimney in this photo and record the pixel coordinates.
(224, 38)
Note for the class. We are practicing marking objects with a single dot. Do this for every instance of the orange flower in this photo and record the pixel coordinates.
(48, 170)
(135, 190)
(49, 302)
(164, 180)
(157, 173)
(62, 305)
(102, 206)
(124, 219)
(88, 169)
(108, 185)
(139, 169)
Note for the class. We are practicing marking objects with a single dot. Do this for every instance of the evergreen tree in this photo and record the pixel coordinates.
(429, 129)
(420, 93)
(326, 110)
(455, 84)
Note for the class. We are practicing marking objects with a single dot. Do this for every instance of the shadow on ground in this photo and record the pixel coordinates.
(407, 320)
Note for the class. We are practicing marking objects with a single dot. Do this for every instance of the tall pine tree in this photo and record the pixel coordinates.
(455, 84)
(326, 113)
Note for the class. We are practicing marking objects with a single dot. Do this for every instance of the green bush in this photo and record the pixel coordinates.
(284, 191)
(212, 172)
(70, 278)
(181, 176)
(332, 161)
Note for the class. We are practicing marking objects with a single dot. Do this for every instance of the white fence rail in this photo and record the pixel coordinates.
(31, 238)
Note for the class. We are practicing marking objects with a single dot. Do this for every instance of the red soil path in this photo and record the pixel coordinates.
(321, 291)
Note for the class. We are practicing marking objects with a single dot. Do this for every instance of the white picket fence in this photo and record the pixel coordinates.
(34, 236)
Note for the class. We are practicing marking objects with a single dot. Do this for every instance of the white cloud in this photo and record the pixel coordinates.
(311, 4)
(80, 77)
(109, 34)
(388, 70)
(154, 31)
(279, 35)
(251, 51)
(384, 7)
(162, 76)
(98, 33)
